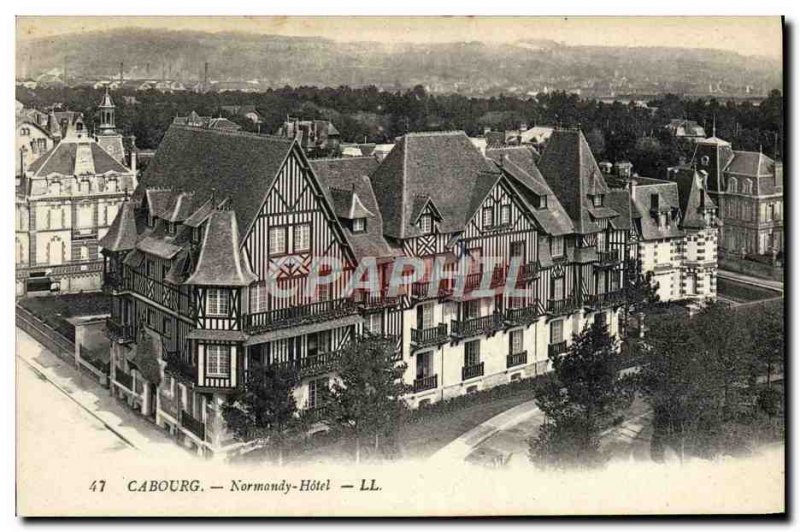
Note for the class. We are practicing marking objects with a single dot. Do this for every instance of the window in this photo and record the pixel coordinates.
(151, 317)
(488, 217)
(302, 238)
(167, 328)
(315, 388)
(217, 302)
(425, 224)
(557, 246)
(373, 323)
(518, 249)
(324, 290)
(472, 353)
(597, 200)
(54, 188)
(218, 360)
(424, 364)
(277, 241)
(85, 215)
(542, 202)
(600, 318)
(601, 241)
(556, 331)
(359, 225)
(472, 309)
(654, 202)
(258, 297)
(515, 342)
(318, 343)
(425, 316)
(111, 185)
(24, 132)
(732, 184)
(84, 250)
(505, 215)
(558, 289)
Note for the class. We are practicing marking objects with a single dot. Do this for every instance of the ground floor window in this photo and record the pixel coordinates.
(472, 353)
(373, 323)
(515, 341)
(218, 360)
(315, 390)
(556, 331)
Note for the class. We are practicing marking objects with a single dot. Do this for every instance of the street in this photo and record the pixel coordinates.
(65, 413)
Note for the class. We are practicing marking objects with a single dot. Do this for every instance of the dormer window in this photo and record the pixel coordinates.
(654, 202)
(171, 228)
(542, 202)
(425, 224)
(359, 225)
(597, 200)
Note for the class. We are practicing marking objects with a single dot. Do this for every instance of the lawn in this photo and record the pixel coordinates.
(55, 310)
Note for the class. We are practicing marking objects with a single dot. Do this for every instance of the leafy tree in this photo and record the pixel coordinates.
(366, 397)
(582, 396)
(768, 340)
(263, 411)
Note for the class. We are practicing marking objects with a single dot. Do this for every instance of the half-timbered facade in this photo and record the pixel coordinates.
(237, 252)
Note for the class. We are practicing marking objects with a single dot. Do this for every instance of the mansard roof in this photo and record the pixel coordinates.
(76, 158)
(444, 165)
(751, 163)
(667, 191)
(233, 165)
(338, 176)
(573, 174)
(122, 234)
(220, 262)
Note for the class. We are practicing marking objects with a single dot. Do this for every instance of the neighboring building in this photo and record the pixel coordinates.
(675, 228)
(221, 218)
(65, 202)
(357, 150)
(537, 135)
(246, 111)
(686, 129)
(318, 138)
(748, 190)
(195, 120)
(32, 141)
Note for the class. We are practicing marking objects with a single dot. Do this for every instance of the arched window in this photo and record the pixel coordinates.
(55, 251)
(732, 184)
(54, 187)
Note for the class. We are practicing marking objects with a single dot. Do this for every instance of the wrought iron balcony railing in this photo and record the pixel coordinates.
(431, 336)
(426, 383)
(523, 316)
(119, 332)
(563, 306)
(557, 348)
(516, 359)
(194, 426)
(477, 326)
(470, 372)
(298, 315)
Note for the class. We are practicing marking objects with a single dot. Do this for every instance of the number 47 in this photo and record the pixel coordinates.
(97, 485)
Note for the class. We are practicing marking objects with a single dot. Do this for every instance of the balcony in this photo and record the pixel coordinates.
(180, 368)
(421, 290)
(125, 379)
(499, 276)
(88, 233)
(119, 332)
(312, 365)
(470, 372)
(112, 282)
(523, 316)
(606, 300)
(428, 337)
(375, 300)
(516, 359)
(426, 383)
(194, 426)
(607, 259)
(557, 348)
(477, 326)
(529, 272)
(562, 306)
(298, 315)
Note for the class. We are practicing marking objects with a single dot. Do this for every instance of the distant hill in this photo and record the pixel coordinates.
(472, 67)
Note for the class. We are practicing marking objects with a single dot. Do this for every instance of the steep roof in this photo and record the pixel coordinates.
(342, 181)
(530, 186)
(692, 196)
(667, 191)
(220, 262)
(228, 164)
(121, 235)
(523, 156)
(74, 158)
(572, 173)
(750, 163)
(620, 201)
(444, 165)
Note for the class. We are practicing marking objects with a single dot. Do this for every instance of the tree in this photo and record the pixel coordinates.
(366, 397)
(263, 411)
(768, 340)
(582, 396)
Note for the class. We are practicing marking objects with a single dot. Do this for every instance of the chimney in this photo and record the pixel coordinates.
(133, 161)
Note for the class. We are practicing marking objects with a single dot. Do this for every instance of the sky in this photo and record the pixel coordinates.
(759, 36)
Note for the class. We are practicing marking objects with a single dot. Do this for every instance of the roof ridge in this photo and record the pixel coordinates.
(452, 132)
(232, 133)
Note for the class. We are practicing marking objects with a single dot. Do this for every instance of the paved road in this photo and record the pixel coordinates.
(504, 438)
(63, 412)
(749, 279)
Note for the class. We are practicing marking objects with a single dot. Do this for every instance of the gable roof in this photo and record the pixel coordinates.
(444, 165)
(641, 192)
(220, 262)
(573, 174)
(227, 164)
(347, 179)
